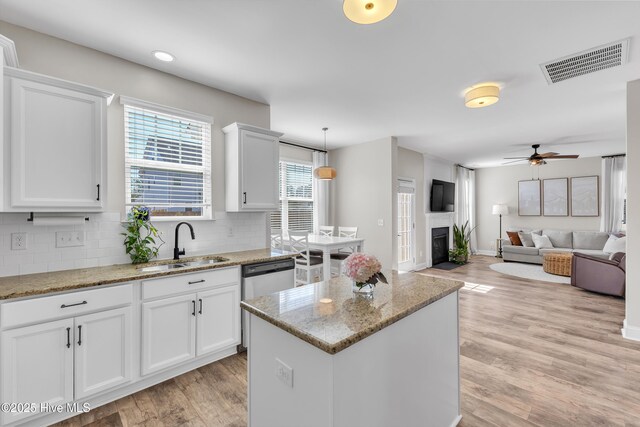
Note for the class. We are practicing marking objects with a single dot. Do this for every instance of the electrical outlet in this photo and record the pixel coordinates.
(67, 239)
(18, 241)
(284, 373)
(381, 222)
(229, 231)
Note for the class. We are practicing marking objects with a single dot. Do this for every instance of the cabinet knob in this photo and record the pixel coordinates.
(79, 334)
(68, 337)
(244, 198)
(194, 307)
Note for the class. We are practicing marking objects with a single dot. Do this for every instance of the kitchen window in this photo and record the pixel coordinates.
(167, 160)
(296, 198)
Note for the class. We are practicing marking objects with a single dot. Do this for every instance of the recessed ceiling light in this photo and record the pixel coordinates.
(368, 11)
(482, 95)
(163, 56)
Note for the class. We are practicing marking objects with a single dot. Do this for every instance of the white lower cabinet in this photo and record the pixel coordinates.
(103, 351)
(218, 320)
(57, 362)
(178, 329)
(168, 332)
(37, 366)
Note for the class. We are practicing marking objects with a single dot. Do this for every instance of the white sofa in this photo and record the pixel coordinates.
(586, 242)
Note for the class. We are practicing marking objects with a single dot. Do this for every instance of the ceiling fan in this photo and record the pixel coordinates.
(537, 159)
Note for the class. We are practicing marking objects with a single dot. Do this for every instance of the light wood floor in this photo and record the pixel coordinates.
(532, 353)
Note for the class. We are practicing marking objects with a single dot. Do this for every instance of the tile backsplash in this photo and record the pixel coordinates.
(103, 241)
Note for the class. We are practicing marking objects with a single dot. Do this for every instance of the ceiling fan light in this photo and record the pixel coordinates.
(325, 173)
(482, 96)
(368, 11)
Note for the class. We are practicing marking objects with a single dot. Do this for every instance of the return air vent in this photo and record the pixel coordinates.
(586, 62)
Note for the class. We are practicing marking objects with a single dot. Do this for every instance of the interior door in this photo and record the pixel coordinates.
(37, 366)
(218, 319)
(103, 351)
(259, 158)
(406, 225)
(168, 332)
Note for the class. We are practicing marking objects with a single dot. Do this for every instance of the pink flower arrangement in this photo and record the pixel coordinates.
(363, 269)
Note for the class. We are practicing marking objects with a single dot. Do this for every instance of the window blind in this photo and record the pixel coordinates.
(296, 198)
(167, 162)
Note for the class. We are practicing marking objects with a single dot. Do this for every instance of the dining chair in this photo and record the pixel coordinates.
(326, 230)
(323, 230)
(276, 239)
(338, 258)
(306, 264)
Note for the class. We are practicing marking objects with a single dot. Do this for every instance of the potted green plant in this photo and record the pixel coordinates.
(140, 236)
(461, 238)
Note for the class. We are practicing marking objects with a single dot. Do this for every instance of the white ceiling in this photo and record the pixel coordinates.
(402, 77)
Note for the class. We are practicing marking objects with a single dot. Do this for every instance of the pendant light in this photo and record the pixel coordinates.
(326, 173)
(368, 11)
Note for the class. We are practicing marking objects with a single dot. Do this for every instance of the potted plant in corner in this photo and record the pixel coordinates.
(461, 238)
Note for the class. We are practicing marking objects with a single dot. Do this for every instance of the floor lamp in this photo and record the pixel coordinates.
(500, 210)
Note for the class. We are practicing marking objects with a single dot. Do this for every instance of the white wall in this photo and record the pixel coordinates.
(288, 152)
(364, 192)
(411, 165)
(55, 57)
(632, 321)
(500, 185)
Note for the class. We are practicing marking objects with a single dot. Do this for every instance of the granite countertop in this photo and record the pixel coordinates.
(331, 317)
(58, 281)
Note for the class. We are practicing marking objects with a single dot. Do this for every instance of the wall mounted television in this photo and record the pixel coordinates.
(442, 196)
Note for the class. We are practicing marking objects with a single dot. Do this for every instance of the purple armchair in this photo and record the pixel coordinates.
(599, 275)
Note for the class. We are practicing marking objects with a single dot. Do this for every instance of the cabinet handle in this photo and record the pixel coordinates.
(79, 334)
(200, 306)
(194, 307)
(73, 305)
(197, 281)
(98, 198)
(68, 337)
(244, 200)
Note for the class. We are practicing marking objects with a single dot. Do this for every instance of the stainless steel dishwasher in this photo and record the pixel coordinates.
(263, 279)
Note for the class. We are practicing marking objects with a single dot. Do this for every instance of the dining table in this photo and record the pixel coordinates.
(326, 244)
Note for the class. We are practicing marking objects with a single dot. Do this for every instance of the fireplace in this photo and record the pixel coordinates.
(439, 245)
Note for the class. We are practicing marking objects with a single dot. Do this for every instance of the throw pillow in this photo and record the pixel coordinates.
(615, 244)
(526, 239)
(514, 238)
(541, 242)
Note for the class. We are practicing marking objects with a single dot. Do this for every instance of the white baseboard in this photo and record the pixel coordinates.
(421, 266)
(456, 421)
(630, 332)
(485, 252)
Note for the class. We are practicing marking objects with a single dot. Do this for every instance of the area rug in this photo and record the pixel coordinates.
(528, 271)
(447, 265)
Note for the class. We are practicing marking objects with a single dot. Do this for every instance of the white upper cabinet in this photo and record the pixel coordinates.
(252, 156)
(55, 144)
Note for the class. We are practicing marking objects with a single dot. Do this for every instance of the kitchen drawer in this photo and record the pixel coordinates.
(189, 282)
(42, 309)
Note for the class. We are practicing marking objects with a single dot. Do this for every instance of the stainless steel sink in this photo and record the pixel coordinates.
(179, 265)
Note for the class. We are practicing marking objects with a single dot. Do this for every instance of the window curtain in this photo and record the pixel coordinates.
(466, 202)
(614, 188)
(320, 193)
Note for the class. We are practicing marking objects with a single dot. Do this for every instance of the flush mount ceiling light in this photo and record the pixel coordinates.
(326, 173)
(368, 11)
(163, 56)
(482, 96)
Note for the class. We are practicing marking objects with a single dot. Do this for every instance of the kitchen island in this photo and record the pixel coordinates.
(320, 355)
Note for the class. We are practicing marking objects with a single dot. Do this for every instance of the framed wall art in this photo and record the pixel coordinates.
(585, 196)
(555, 196)
(529, 201)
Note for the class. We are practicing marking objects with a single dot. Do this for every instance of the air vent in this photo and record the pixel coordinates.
(586, 62)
